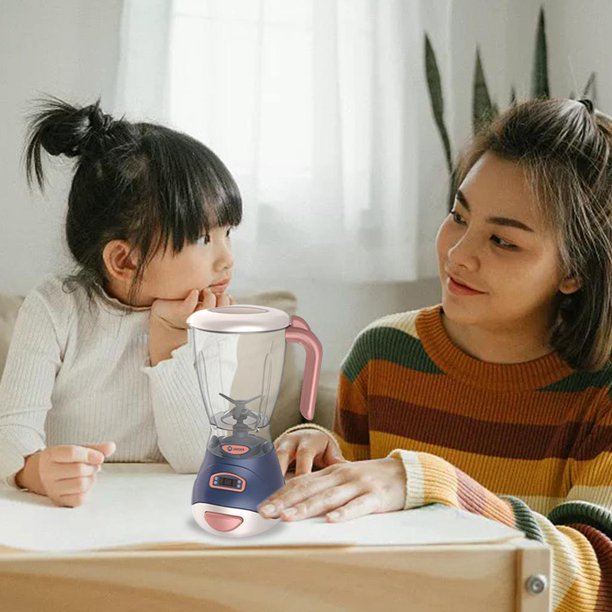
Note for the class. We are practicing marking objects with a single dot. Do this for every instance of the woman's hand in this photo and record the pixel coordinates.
(64, 473)
(342, 491)
(308, 448)
(168, 320)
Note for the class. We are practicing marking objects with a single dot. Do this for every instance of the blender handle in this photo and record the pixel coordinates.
(299, 332)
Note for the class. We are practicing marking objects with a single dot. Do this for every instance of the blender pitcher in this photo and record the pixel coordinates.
(239, 358)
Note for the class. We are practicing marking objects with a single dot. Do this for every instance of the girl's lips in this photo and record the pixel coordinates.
(219, 288)
(459, 289)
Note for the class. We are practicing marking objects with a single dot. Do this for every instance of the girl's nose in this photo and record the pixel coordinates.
(224, 260)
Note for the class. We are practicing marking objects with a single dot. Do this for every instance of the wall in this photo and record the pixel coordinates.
(68, 49)
(578, 43)
(71, 49)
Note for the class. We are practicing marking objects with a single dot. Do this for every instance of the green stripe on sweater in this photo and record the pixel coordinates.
(580, 380)
(391, 345)
(583, 513)
(525, 521)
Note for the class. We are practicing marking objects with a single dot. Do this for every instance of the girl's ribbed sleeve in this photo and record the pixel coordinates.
(33, 361)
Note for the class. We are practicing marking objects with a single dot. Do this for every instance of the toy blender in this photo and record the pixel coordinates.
(239, 358)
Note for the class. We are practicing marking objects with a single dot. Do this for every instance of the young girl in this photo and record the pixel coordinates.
(98, 364)
(498, 401)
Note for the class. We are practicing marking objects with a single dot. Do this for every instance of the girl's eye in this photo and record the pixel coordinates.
(229, 231)
(457, 218)
(204, 240)
(500, 242)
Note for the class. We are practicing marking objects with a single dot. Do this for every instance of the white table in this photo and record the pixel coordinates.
(175, 566)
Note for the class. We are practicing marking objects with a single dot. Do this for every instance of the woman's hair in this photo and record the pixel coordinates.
(565, 149)
(140, 182)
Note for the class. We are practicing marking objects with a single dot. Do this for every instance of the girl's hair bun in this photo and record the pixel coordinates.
(63, 129)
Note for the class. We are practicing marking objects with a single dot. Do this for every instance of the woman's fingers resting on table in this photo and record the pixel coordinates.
(308, 448)
(341, 492)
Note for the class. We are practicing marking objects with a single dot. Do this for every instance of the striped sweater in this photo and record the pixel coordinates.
(528, 444)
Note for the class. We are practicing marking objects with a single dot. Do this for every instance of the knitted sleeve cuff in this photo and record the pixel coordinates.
(433, 480)
(428, 480)
(165, 368)
(524, 518)
(14, 450)
(583, 513)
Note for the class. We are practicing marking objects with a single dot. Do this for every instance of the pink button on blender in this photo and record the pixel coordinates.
(239, 357)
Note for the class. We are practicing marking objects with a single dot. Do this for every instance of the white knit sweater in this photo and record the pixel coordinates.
(78, 372)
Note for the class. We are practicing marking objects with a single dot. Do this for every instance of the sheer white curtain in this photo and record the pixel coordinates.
(314, 105)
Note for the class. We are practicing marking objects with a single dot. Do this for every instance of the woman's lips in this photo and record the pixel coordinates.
(459, 289)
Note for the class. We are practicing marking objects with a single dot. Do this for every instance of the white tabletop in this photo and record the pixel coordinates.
(136, 504)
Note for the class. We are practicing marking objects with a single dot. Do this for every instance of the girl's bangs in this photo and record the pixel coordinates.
(196, 191)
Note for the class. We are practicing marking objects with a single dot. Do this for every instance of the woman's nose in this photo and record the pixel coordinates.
(463, 254)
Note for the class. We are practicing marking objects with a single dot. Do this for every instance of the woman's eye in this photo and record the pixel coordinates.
(500, 242)
(457, 218)
(229, 231)
(204, 240)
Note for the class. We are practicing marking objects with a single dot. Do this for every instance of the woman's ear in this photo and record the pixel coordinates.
(120, 261)
(569, 285)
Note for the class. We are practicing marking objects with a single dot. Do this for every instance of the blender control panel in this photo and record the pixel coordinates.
(227, 482)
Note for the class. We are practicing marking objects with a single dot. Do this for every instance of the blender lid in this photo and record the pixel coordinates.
(239, 319)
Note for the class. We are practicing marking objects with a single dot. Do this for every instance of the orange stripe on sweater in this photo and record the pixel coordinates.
(503, 476)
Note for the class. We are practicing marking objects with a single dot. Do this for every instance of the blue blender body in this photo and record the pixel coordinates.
(221, 477)
(239, 358)
(239, 471)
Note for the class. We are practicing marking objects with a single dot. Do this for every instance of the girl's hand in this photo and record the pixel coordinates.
(308, 448)
(64, 473)
(343, 491)
(173, 314)
(168, 321)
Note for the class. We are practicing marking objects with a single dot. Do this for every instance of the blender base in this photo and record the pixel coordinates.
(230, 522)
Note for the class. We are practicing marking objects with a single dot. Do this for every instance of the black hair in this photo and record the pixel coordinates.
(140, 182)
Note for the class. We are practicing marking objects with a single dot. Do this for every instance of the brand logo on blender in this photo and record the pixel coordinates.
(235, 449)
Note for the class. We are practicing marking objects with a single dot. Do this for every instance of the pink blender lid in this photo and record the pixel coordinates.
(239, 319)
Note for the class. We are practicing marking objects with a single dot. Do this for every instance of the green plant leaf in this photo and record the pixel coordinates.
(539, 77)
(434, 86)
(452, 189)
(483, 110)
